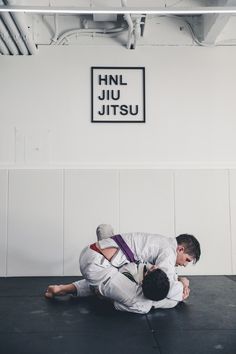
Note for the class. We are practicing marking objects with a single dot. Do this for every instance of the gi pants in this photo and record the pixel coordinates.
(104, 277)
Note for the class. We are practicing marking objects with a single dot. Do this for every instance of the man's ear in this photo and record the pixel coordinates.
(180, 248)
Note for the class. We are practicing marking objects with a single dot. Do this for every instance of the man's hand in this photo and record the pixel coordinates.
(184, 281)
(186, 290)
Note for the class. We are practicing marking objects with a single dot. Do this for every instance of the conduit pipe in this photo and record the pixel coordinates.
(134, 30)
(55, 37)
(19, 19)
(3, 48)
(10, 24)
(137, 31)
(128, 19)
(88, 31)
(5, 36)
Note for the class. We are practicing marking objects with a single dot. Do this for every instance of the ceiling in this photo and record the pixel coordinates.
(22, 33)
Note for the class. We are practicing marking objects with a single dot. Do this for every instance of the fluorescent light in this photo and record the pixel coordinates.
(120, 10)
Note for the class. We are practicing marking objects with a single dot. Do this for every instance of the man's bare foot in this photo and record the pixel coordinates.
(54, 290)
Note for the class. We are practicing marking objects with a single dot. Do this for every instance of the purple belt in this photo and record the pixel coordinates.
(124, 247)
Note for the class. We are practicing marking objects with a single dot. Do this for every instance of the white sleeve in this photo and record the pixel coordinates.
(166, 262)
(140, 304)
(164, 304)
(144, 305)
(141, 307)
(83, 288)
(176, 291)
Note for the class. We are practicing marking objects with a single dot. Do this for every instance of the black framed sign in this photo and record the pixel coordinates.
(118, 94)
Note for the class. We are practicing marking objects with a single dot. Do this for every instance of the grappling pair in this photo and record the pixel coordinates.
(134, 285)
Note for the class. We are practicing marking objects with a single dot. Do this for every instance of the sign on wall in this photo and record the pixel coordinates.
(118, 94)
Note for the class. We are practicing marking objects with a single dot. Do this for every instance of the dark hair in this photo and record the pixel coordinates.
(156, 285)
(191, 245)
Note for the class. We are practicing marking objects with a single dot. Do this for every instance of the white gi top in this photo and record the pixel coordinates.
(152, 248)
(140, 304)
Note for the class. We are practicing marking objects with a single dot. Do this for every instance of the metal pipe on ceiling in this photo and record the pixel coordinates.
(3, 48)
(10, 24)
(7, 39)
(162, 11)
(129, 21)
(20, 21)
(14, 33)
(137, 30)
(24, 31)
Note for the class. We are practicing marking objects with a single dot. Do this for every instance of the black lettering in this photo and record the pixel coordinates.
(100, 79)
(121, 81)
(103, 95)
(136, 110)
(117, 95)
(123, 110)
(113, 79)
(114, 106)
(103, 111)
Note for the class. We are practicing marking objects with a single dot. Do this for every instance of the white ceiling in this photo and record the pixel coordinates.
(130, 31)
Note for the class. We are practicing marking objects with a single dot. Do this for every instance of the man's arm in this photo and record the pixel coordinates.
(165, 304)
(141, 307)
(166, 262)
(176, 287)
(186, 289)
(83, 288)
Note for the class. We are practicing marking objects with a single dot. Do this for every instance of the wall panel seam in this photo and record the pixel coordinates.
(230, 220)
(118, 200)
(7, 219)
(174, 201)
(63, 221)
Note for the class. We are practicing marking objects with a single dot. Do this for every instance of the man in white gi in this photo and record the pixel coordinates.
(99, 265)
(164, 252)
(141, 304)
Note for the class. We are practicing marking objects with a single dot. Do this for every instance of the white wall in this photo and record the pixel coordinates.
(45, 108)
(48, 216)
(61, 175)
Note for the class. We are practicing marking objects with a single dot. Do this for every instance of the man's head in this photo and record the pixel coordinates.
(155, 284)
(188, 249)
